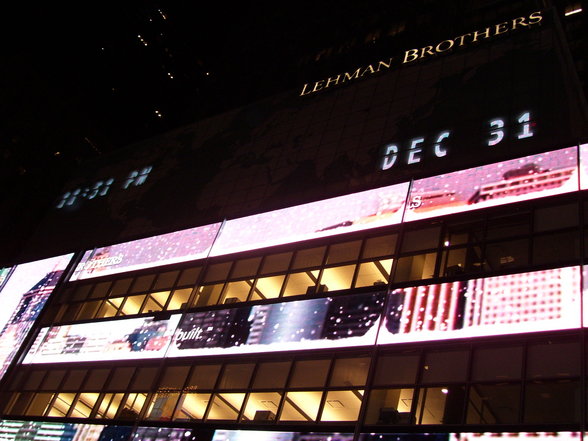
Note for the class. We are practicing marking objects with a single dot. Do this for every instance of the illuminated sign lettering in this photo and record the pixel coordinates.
(411, 55)
(413, 155)
(102, 187)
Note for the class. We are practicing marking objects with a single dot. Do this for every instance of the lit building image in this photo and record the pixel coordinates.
(395, 250)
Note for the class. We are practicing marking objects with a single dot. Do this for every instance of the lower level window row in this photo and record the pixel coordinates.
(541, 402)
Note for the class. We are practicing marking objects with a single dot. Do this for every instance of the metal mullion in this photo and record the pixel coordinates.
(325, 389)
(285, 390)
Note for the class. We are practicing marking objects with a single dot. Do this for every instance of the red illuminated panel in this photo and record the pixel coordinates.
(505, 182)
(24, 290)
(354, 212)
(179, 246)
(515, 303)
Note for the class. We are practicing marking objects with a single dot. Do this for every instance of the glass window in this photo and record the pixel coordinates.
(82, 291)
(462, 233)
(271, 375)
(379, 246)
(84, 405)
(276, 263)
(237, 291)
(132, 406)
(445, 366)
(174, 377)
(53, 380)
(559, 216)
(374, 273)
(143, 283)
(120, 378)
(389, 406)
(96, 379)
(556, 247)
(109, 405)
(312, 257)
(508, 225)
(121, 287)
(225, 406)
(552, 402)
(156, 301)
(203, 377)
(268, 287)
(39, 404)
(553, 359)
(342, 405)
(396, 369)
(34, 380)
(236, 376)
(493, 404)
(497, 364)
(162, 406)
(88, 310)
(61, 404)
(509, 254)
(350, 372)
(101, 290)
(421, 266)
(310, 373)
(189, 276)
(208, 294)
(301, 283)
(192, 406)
(166, 280)
(179, 299)
(132, 305)
(74, 379)
(109, 307)
(144, 378)
(217, 272)
(262, 406)
(344, 252)
(422, 239)
(246, 268)
(440, 405)
(337, 278)
(301, 406)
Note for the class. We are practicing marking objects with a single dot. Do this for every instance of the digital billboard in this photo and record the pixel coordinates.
(531, 177)
(515, 303)
(135, 338)
(258, 435)
(584, 166)
(24, 290)
(179, 246)
(304, 324)
(354, 212)
(49, 431)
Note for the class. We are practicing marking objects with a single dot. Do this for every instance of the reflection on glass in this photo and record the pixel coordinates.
(339, 277)
(553, 402)
(440, 405)
(342, 405)
(162, 405)
(225, 406)
(301, 283)
(133, 405)
(350, 372)
(192, 406)
(301, 406)
(421, 266)
(493, 404)
(203, 377)
(374, 273)
(262, 406)
(390, 406)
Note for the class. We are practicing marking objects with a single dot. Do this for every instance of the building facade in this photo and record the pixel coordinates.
(394, 251)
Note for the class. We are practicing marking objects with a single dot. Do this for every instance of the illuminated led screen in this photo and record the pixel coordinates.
(531, 177)
(166, 433)
(304, 324)
(258, 435)
(515, 303)
(179, 246)
(37, 430)
(24, 289)
(584, 166)
(114, 340)
(354, 212)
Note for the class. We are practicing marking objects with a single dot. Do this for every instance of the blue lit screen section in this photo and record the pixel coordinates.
(515, 303)
(516, 180)
(24, 290)
(49, 431)
(304, 324)
(329, 217)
